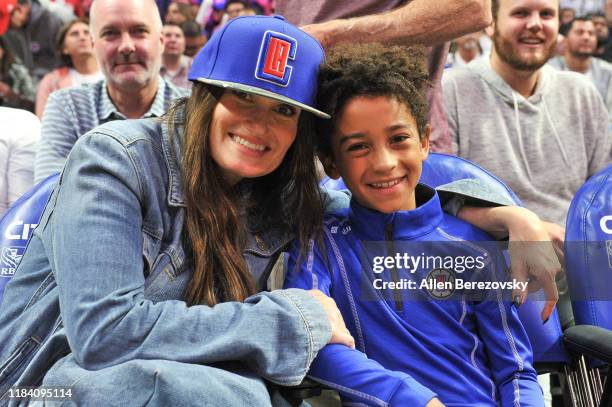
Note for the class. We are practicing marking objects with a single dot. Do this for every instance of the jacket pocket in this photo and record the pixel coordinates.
(161, 272)
(164, 283)
(15, 361)
(150, 252)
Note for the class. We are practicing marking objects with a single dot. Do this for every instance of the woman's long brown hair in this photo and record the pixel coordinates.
(219, 216)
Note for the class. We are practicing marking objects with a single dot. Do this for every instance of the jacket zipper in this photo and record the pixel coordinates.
(394, 275)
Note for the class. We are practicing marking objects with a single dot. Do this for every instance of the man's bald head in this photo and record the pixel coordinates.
(127, 42)
(145, 6)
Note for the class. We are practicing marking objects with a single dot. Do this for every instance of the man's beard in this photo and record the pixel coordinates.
(507, 53)
(581, 55)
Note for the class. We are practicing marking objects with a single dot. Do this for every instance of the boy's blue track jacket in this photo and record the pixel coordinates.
(411, 347)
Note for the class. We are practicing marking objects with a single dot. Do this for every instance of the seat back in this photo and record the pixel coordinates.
(588, 251)
(17, 224)
(442, 169)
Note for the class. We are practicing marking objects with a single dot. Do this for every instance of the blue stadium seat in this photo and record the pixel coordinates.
(588, 261)
(17, 224)
(588, 251)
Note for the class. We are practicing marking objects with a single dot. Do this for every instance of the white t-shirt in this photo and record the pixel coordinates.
(18, 140)
(79, 79)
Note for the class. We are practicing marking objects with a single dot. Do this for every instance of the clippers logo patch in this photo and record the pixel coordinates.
(440, 283)
(273, 63)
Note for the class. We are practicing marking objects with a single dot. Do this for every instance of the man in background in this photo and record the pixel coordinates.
(516, 116)
(128, 44)
(580, 43)
(31, 37)
(194, 39)
(175, 65)
(602, 30)
(235, 8)
(467, 50)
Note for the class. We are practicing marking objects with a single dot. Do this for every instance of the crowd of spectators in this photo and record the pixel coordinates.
(45, 44)
(33, 40)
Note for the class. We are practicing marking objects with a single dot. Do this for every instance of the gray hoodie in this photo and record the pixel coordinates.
(544, 147)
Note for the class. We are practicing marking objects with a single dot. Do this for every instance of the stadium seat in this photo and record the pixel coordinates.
(17, 224)
(588, 258)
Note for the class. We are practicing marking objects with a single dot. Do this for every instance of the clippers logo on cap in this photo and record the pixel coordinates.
(276, 50)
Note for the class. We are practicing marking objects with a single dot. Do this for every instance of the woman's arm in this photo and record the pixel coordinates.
(94, 241)
(531, 251)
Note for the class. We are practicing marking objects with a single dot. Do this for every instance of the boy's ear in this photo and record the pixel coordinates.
(425, 142)
(329, 165)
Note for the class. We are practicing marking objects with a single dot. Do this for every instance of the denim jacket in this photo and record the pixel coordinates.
(108, 253)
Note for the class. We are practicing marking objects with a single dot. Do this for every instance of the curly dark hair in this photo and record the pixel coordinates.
(371, 70)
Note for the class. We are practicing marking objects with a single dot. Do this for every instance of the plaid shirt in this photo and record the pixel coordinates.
(72, 112)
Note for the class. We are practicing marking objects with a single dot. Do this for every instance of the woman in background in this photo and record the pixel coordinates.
(79, 65)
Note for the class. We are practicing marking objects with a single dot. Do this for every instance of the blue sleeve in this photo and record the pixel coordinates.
(363, 380)
(509, 351)
(347, 370)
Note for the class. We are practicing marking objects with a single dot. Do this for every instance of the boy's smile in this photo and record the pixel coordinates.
(378, 153)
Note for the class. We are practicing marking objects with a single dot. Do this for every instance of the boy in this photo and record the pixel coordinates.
(415, 349)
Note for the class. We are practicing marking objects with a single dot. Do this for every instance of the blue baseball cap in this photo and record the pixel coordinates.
(265, 56)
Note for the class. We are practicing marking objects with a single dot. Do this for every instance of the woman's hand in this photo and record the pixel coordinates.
(340, 334)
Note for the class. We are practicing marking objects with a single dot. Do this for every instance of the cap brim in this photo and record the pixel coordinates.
(263, 92)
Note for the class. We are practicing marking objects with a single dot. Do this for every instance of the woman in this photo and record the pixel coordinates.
(161, 232)
(16, 87)
(152, 218)
(79, 65)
